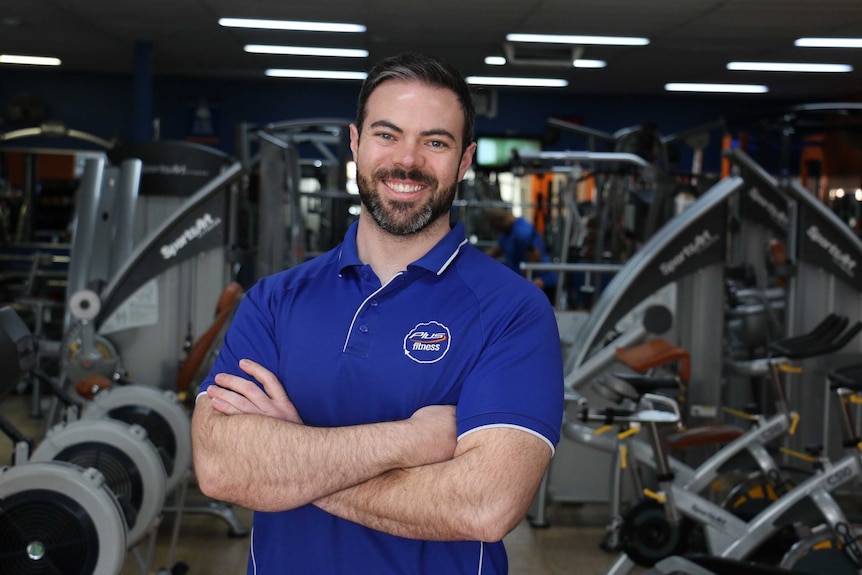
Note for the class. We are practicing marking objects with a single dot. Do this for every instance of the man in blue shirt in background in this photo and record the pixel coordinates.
(519, 241)
(391, 405)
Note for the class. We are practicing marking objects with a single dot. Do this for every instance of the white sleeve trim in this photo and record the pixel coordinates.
(510, 426)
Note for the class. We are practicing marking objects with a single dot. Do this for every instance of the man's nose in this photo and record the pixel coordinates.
(409, 155)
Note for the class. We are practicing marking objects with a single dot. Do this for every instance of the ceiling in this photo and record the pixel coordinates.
(690, 40)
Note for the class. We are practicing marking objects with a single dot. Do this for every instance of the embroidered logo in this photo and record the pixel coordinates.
(427, 342)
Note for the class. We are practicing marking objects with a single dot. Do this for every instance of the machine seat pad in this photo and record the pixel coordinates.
(849, 376)
(655, 353)
(649, 383)
(704, 436)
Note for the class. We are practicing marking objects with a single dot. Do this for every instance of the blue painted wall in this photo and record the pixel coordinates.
(103, 104)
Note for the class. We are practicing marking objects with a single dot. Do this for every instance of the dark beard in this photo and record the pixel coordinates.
(405, 218)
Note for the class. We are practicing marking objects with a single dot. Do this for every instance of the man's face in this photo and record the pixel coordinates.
(409, 158)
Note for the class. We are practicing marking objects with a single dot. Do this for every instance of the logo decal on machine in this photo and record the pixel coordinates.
(427, 342)
(841, 259)
(697, 245)
(204, 224)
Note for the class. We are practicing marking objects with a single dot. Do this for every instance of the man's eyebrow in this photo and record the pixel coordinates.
(426, 133)
(439, 132)
(386, 124)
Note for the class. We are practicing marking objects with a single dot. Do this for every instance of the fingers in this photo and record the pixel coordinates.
(273, 388)
(233, 395)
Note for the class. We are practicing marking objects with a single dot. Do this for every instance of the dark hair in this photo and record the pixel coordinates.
(426, 69)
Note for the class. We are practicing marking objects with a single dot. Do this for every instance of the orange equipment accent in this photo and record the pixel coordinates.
(654, 353)
(704, 436)
(88, 386)
(229, 299)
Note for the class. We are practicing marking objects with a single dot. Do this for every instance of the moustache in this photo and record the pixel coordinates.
(415, 175)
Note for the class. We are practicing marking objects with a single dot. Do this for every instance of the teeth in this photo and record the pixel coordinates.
(404, 188)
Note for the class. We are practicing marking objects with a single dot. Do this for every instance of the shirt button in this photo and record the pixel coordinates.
(365, 275)
(373, 303)
(363, 328)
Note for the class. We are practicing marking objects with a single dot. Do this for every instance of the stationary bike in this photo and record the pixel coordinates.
(746, 451)
(827, 541)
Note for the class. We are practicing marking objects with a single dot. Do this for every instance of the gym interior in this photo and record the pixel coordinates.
(694, 172)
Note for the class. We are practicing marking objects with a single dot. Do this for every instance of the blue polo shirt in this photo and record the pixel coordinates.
(455, 328)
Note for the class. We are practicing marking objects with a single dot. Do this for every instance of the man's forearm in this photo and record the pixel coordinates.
(481, 494)
(269, 464)
(379, 503)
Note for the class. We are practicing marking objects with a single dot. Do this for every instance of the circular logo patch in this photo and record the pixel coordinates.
(427, 342)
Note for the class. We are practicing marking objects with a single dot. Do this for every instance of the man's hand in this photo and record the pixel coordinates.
(232, 394)
(436, 427)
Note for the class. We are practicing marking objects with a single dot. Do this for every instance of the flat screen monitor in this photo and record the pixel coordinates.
(495, 152)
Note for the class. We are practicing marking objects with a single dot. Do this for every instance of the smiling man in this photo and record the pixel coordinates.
(389, 406)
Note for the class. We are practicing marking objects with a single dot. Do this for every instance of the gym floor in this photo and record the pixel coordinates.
(570, 545)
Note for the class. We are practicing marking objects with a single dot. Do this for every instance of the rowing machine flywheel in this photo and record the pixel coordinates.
(130, 463)
(167, 422)
(59, 519)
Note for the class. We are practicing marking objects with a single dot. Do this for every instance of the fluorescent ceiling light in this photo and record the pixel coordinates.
(526, 82)
(316, 74)
(722, 88)
(306, 51)
(578, 40)
(495, 61)
(28, 60)
(582, 63)
(290, 25)
(788, 67)
(828, 42)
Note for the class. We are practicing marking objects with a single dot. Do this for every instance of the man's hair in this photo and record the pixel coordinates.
(430, 71)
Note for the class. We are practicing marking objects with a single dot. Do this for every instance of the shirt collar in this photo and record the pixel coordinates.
(435, 261)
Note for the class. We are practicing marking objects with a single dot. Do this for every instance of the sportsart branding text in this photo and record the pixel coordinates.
(202, 226)
(700, 243)
(842, 259)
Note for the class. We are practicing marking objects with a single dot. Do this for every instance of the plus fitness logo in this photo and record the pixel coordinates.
(427, 342)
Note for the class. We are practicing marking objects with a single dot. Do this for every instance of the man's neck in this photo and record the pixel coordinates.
(388, 254)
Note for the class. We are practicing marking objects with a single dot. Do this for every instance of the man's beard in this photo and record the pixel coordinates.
(405, 218)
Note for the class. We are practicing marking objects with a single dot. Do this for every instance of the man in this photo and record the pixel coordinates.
(389, 406)
(519, 241)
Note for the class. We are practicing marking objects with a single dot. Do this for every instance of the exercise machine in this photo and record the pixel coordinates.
(53, 515)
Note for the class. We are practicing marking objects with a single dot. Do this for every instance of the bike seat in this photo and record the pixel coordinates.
(706, 435)
(828, 336)
(649, 383)
(621, 386)
(655, 353)
(849, 376)
(608, 415)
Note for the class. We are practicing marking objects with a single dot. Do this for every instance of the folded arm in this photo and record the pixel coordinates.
(405, 478)
(481, 494)
(249, 448)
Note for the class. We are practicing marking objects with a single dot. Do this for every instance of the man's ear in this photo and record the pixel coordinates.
(466, 160)
(354, 140)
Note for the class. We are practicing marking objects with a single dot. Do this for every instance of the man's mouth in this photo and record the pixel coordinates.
(402, 188)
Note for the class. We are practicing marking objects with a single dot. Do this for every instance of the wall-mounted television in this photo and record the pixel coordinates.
(495, 152)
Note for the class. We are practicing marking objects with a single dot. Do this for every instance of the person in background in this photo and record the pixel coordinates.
(519, 241)
(389, 406)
